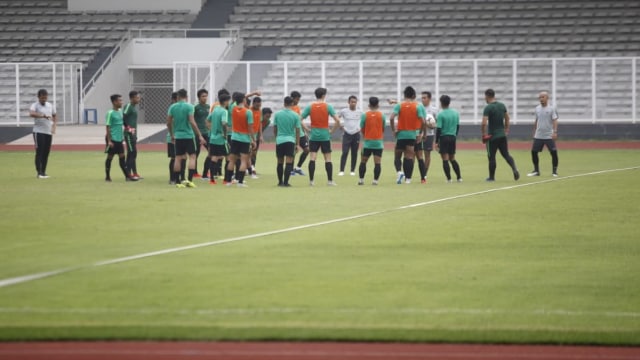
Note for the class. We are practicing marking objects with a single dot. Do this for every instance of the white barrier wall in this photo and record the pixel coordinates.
(163, 52)
(193, 6)
(152, 53)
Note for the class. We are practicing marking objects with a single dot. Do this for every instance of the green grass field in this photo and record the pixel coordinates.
(554, 262)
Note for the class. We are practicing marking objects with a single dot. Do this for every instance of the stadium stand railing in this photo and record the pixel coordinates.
(20, 82)
(585, 90)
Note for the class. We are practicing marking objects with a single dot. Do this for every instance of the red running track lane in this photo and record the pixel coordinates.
(303, 351)
(514, 145)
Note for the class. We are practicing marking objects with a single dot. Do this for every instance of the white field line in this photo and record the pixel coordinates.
(336, 311)
(31, 277)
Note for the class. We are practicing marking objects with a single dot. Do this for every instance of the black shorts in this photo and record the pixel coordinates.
(285, 149)
(428, 143)
(218, 150)
(418, 146)
(304, 142)
(117, 148)
(239, 147)
(538, 145)
(402, 144)
(171, 150)
(366, 152)
(447, 145)
(324, 146)
(185, 146)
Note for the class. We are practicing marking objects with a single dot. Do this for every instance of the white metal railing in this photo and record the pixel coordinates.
(123, 41)
(602, 89)
(20, 82)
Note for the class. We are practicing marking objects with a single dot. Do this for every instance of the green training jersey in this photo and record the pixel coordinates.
(321, 133)
(200, 113)
(180, 112)
(286, 121)
(448, 121)
(130, 116)
(421, 112)
(218, 119)
(495, 112)
(114, 122)
(230, 117)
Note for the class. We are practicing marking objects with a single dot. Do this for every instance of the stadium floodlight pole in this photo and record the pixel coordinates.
(593, 90)
(323, 74)
(17, 94)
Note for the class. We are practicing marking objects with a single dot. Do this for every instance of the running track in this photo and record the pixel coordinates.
(302, 351)
(308, 351)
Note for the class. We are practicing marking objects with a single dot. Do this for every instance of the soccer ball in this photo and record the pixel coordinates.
(431, 121)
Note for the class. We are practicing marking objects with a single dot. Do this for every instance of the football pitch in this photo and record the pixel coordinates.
(541, 260)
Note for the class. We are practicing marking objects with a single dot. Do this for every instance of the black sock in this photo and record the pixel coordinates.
(176, 176)
(107, 168)
(287, 172)
(362, 170)
(303, 157)
(407, 166)
(206, 172)
(512, 163)
(219, 173)
(492, 169)
(397, 162)
(171, 178)
(240, 177)
(123, 166)
(423, 169)
(191, 173)
(253, 161)
(238, 163)
(554, 161)
(456, 169)
(312, 169)
(183, 168)
(426, 168)
(535, 160)
(280, 172)
(377, 169)
(447, 170)
(228, 173)
(328, 166)
(213, 169)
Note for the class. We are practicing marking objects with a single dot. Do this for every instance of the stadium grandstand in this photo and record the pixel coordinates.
(455, 33)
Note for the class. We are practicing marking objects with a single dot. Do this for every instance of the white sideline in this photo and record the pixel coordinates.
(31, 277)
